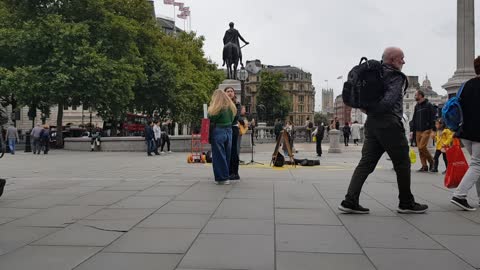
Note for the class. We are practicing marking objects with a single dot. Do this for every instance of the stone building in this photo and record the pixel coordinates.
(72, 116)
(296, 82)
(426, 86)
(327, 101)
(342, 111)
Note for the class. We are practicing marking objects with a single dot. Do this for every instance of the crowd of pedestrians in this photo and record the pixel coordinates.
(157, 136)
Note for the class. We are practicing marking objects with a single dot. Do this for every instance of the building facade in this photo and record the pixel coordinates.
(342, 112)
(296, 82)
(327, 101)
(426, 86)
(72, 116)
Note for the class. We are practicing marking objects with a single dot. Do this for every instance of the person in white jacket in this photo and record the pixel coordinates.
(356, 127)
(157, 131)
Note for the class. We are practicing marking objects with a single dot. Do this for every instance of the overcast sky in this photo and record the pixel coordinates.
(328, 37)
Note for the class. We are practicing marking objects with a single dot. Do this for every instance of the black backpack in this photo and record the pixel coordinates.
(310, 125)
(365, 86)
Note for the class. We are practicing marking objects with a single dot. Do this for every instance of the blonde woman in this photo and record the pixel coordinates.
(221, 114)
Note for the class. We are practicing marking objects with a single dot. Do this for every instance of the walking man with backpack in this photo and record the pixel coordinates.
(384, 131)
(423, 123)
(469, 132)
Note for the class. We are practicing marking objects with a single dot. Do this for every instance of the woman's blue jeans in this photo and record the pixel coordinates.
(221, 151)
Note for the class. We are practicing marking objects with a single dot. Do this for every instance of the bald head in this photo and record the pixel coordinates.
(393, 56)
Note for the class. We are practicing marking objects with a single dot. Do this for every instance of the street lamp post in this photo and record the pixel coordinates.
(242, 75)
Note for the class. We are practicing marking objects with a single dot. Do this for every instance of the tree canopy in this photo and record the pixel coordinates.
(271, 95)
(109, 55)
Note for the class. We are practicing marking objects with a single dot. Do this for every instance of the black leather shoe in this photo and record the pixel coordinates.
(2, 185)
(423, 169)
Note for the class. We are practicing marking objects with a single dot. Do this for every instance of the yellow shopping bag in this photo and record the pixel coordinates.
(314, 138)
(413, 156)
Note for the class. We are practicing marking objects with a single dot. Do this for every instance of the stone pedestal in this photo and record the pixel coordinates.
(237, 85)
(261, 132)
(465, 46)
(334, 136)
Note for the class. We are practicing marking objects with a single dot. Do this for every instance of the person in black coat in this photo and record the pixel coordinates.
(319, 133)
(150, 139)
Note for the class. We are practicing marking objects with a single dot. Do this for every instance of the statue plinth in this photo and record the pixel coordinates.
(235, 84)
(334, 136)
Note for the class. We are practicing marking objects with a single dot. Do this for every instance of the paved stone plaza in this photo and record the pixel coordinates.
(124, 211)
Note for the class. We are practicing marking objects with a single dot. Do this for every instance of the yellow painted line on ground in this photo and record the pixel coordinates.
(289, 167)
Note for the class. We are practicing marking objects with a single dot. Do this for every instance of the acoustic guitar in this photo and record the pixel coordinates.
(243, 128)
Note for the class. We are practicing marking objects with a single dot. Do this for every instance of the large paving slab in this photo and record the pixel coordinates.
(127, 211)
(183, 221)
(79, 235)
(135, 202)
(46, 257)
(400, 259)
(216, 251)
(466, 247)
(58, 216)
(386, 232)
(155, 240)
(189, 207)
(324, 239)
(12, 237)
(129, 261)
(315, 261)
(245, 208)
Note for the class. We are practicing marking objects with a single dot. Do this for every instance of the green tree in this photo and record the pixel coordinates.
(320, 118)
(271, 94)
(73, 52)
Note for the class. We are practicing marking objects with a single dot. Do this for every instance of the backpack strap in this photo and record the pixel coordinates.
(459, 93)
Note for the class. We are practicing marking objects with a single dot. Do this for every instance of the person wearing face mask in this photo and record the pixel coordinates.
(384, 132)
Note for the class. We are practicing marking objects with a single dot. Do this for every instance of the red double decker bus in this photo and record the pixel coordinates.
(134, 124)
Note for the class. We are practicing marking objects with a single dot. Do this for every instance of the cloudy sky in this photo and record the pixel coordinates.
(328, 37)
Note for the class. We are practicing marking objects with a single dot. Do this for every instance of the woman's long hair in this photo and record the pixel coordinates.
(220, 101)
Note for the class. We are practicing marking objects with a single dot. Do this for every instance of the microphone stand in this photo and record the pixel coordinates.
(253, 161)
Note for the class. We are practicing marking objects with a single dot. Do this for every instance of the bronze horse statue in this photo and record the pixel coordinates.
(231, 57)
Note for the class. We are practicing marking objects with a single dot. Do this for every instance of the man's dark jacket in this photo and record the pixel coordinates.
(149, 134)
(424, 116)
(392, 102)
(470, 102)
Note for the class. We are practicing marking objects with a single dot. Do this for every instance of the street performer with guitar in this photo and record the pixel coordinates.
(236, 136)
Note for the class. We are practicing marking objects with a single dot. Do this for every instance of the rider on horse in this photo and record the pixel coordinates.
(232, 36)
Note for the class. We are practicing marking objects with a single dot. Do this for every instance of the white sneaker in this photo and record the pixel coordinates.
(162, 152)
(170, 152)
(218, 183)
(226, 182)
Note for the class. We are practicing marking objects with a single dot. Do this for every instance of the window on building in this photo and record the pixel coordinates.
(290, 86)
(301, 99)
(300, 108)
(301, 87)
(408, 95)
(65, 107)
(407, 106)
(74, 107)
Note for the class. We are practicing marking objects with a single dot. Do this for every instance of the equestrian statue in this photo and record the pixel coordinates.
(232, 52)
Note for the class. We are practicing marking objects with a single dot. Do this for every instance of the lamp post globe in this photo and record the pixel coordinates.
(242, 75)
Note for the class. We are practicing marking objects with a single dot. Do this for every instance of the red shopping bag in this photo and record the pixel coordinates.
(457, 165)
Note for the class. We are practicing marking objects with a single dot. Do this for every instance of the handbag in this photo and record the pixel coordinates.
(457, 165)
